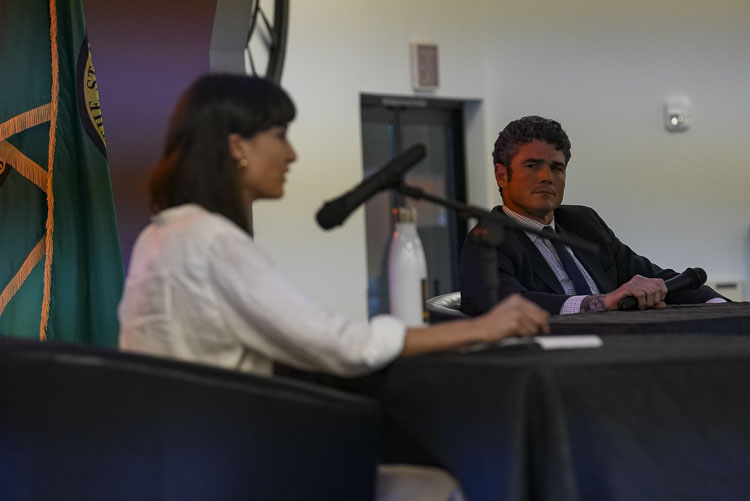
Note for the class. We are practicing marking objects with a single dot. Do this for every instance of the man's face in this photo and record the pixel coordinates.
(536, 184)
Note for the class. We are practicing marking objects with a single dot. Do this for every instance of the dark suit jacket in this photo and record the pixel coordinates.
(521, 267)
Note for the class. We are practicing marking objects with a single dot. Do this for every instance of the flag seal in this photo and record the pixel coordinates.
(4, 171)
(88, 98)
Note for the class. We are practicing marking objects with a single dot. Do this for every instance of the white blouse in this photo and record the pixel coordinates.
(199, 289)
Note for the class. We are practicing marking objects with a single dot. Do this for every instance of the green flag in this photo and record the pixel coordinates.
(61, 268)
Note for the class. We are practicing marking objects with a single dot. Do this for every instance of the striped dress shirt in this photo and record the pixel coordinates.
(573, 304)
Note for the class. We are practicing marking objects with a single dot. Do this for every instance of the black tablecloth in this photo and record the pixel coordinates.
(642, 417)
(723, 318)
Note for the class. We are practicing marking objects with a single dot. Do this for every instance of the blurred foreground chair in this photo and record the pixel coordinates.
(444, 307)
(92, 424)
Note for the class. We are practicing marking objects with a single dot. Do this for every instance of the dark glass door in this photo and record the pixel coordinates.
(389, 126)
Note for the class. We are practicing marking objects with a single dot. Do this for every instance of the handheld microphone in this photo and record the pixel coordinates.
(691, 278)
(334, 212)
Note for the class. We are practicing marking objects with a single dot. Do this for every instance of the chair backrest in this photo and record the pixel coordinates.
(444, 307)
(91, 424)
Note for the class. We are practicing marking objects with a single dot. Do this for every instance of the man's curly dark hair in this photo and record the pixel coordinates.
(524, 130)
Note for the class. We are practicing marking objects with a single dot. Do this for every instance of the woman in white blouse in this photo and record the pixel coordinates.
(200, 289)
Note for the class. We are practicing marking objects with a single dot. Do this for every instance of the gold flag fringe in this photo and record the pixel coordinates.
(50, 170)
(25, 120)
(29, 169)
(20, 277)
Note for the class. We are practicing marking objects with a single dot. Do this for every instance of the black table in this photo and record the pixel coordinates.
(725, 318)
(642, 417)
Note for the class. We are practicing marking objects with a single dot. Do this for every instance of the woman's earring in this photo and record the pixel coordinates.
(241, 163)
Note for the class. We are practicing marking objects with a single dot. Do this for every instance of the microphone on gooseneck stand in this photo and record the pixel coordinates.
(334, 212)
(691, 278)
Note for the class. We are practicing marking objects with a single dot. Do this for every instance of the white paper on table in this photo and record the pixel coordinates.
(544, 342)
(568, 342)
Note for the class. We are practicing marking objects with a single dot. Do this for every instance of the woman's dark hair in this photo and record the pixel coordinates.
(196, 166)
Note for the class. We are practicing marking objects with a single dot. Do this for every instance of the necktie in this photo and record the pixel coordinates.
(571, 268)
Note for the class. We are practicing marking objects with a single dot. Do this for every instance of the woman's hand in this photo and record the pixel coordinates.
(514, 316)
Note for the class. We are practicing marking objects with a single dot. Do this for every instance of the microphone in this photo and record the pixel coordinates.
(334, 212)
(691, 278)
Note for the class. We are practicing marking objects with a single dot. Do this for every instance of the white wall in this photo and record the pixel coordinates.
(337, 50)
(601, 68)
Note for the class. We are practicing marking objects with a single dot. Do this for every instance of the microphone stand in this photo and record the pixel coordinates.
(494, 224)
(489, 232)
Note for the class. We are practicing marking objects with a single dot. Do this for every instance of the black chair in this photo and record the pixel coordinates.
(91, 424)
(444, 307)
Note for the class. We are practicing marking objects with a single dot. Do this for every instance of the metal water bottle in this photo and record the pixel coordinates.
(407, 269)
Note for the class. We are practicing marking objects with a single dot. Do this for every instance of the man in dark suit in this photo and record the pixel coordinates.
(531, 156)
